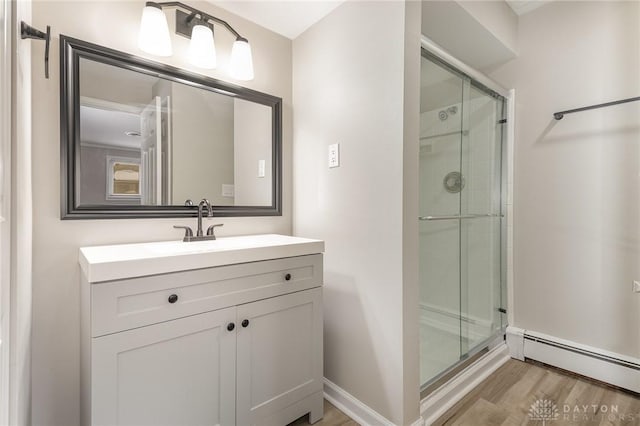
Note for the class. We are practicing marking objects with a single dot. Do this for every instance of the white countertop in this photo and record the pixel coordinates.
(106, 263)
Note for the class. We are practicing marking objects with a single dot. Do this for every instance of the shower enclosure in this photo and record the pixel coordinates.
(462, 226)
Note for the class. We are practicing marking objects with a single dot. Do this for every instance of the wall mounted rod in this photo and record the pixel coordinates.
(559, 115)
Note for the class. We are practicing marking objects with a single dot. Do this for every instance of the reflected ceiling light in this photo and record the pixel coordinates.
(154, 38)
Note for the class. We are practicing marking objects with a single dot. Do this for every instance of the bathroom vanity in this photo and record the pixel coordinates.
(224, 332)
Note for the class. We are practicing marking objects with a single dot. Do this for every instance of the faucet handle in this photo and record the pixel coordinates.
(188, 232)
(211, 230)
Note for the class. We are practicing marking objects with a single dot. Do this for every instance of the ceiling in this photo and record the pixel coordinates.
(289, 18)
(520, 7)
(94, 131)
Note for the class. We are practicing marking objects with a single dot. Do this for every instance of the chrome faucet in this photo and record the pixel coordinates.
(203, 203)
(188, 233)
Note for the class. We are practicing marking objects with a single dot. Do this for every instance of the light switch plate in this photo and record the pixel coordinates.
(228, 190)
(334, 155)
(261, 167)
(636, 286)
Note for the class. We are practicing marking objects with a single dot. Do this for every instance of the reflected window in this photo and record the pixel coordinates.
(123, 178)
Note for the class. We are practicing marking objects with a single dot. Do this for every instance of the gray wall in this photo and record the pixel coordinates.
(352, 86)
(93, 174)
(56, 304)
(576, 209)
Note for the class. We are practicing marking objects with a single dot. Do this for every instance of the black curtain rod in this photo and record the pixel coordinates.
(559, 115)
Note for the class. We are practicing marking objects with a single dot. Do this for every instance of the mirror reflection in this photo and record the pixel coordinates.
(146, 140)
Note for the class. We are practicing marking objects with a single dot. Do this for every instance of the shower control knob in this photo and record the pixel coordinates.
(173, 298)
(231, 326)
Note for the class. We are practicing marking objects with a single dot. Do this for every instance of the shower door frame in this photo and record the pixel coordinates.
(441, 57)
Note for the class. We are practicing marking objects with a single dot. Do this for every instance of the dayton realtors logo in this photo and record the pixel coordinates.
(546, 410)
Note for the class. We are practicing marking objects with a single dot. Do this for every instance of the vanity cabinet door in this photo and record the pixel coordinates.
(179, 372)
(279, 357)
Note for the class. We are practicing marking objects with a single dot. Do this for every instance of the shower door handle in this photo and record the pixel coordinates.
(458, 216)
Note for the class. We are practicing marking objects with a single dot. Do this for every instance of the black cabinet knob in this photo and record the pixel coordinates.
(245, 323)
(287, 277)
(231, 326)
(173, 298)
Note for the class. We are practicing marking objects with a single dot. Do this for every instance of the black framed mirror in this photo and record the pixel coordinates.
(141, 139)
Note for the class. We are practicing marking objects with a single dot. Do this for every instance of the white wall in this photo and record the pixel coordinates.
(202, 155)
(479, 33)
(497, 17)
(577, 192)
(252, 142)
(356, 80)
(55, 361)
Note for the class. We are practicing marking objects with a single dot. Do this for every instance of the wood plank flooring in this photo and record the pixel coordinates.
(521, 393)
(506, 398)
(332, 417)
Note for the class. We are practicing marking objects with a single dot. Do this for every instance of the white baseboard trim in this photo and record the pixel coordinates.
(352, 406)
(436, 404)
(419, 422)
(606, 366)
(515, 342)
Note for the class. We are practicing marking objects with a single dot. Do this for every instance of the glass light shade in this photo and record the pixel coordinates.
(202, 48)
(154, 36)
(241, 64)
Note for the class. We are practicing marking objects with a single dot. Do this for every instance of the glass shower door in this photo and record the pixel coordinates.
(481, 265)
(461, 226)
(441, 184)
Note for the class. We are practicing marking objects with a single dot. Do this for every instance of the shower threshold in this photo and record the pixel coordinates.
(465, 361)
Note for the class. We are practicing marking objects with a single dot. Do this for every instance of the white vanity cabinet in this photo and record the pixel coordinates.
(179, 372)
(233, 344)
(279, 362)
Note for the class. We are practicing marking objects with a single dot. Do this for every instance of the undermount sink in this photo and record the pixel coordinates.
(106, 263)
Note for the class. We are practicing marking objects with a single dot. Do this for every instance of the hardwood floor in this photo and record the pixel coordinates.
(520, 393)
(525, 393)
(332, 417)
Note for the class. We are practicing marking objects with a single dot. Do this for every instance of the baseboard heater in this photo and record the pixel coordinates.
(615, 369)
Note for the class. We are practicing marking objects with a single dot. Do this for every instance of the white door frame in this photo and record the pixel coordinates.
(20, 207)
(5, 208)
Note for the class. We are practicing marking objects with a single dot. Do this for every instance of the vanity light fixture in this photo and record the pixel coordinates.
(154, 38)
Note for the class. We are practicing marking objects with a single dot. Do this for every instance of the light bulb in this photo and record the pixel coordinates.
(241, 64)
(154, 37)
(202, 48)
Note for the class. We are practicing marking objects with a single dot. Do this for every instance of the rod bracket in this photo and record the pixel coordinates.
(27, 31)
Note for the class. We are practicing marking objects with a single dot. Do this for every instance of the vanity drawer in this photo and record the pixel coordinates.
(126, 304)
